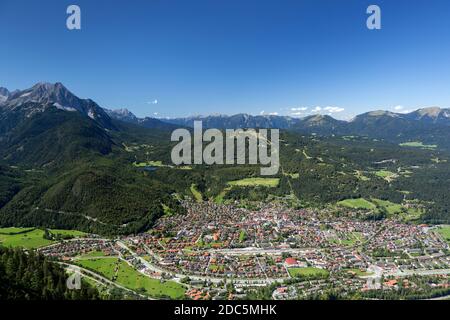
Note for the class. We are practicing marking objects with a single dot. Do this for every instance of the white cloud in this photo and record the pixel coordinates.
(263, 113)
(302, 111)
(299, 109)
(401, 109)
(406, 111)
(334, 109)
(155, 101)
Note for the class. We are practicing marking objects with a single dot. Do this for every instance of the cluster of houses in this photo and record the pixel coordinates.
(68, 249)
(263, 246)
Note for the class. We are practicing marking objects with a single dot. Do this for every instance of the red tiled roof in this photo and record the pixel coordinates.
(290, 261)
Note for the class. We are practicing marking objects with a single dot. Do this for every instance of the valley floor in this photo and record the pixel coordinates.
(296, 254)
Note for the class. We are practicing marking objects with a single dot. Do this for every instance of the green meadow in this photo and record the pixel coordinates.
(391, 208)
(123, 274)
(105, 266)
(444, 231)
(418, 144)
(359, 272)
(407, 214)
(386, 175)
(31, 238)
(357, 204)
(197, 194)
(308, 272)
(256, 182)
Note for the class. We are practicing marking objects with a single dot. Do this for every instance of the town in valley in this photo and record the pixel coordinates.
(226, 251)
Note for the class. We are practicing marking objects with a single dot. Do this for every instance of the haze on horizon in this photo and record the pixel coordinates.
(179, 58)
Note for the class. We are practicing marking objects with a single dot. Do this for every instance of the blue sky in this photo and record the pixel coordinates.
(232, 56)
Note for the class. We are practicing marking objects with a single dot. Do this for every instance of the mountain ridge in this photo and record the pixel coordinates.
(246, 120)
(58, 96)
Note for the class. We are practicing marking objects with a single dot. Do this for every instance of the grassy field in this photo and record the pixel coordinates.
(386, 175)
(159, 164)
(308, 272)
(71, 233)
(391, 208)
(214, 267)
(149, 164)
(120, 272)
(358, 272)
(167, 210)
(242, 236)
(360, 175)
(132, 279)
(14, 230)
(444, 231)
(26, 238)
(105, 266)
(418, 144)
(31, 238)
(407, 214)
(357, 204)
(256, 182)
(353, 238)
(197, 194)
(219, 198)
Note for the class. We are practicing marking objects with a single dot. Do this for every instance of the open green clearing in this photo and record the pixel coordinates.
(406, 213)
(106, 267)
(70, 233)
(33, 238)
(360, 175)
(149, 164)
(159, 164)
(197, 194)
(214, 267)
(357, 204)
(353, 238)
(220, 197)
(242, 236)
(349, 240)
(30, 238)
(120, 272)
(418, 144)
(130, 278)
(444, 231)
(308, 272)
(167, 210)
(386, 175)
(391, 208)
(14, 230)
(359, 272)
(256, 182)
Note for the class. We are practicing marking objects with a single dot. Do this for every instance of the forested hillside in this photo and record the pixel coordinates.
(62, 168)
(29, 276)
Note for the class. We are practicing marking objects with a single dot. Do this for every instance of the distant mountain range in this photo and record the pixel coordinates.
(67, 162)
(430, 125)
(321, 123)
